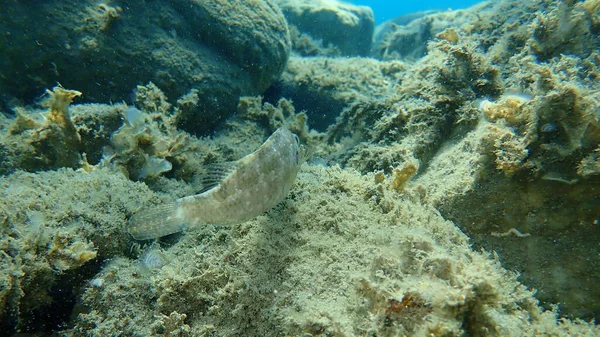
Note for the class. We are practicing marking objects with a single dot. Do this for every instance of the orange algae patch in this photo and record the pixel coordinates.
(509, 107)
(402, 175)
(58, 101)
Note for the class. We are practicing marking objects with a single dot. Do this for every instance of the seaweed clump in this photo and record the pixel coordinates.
(56, 228)
(148, 143)
(45, 141)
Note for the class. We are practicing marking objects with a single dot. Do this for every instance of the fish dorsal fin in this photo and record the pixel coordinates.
(215, 173)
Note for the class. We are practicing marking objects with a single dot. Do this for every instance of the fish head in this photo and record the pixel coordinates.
(289, 145)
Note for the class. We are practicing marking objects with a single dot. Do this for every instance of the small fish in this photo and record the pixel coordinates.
(239, 191)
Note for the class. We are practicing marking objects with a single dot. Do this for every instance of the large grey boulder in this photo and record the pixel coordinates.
(222, 49)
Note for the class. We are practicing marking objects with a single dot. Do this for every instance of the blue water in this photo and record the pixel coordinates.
(388, 9)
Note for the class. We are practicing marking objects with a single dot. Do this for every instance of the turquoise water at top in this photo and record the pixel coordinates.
(389, 9)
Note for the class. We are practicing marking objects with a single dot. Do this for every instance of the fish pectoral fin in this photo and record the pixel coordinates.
(215, 173)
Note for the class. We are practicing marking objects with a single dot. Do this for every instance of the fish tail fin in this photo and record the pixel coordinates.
(157, 221)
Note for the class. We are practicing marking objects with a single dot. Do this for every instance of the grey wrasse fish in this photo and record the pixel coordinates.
(242, 190)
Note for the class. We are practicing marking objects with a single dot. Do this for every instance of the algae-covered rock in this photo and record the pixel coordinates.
(48, 140)
(344, 255)
(406, 37)
(492, 117)
(223, 49)
(487, 142)
(329, 27)
(324, 87)
(56, 229)
(382, 30)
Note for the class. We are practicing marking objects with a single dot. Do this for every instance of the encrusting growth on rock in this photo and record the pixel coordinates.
(45, 141)
(402, 175)
(58, 101)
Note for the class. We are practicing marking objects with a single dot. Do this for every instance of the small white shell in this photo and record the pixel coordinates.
(154, 259)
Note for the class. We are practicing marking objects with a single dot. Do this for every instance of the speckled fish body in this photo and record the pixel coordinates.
(252, 186)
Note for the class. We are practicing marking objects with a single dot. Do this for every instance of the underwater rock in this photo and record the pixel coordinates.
(146, 145)
(324, 87)
(43, 141)
(406, 37)
(55, 228)
(384, 28)
(104, 51)
(275, 116)
(491, 123)
(570, 27)
(489, 142)
(328, 27)
(329, 261)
